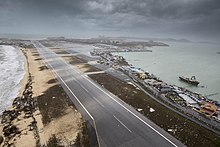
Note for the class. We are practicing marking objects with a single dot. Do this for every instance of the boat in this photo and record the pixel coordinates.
(191, 80)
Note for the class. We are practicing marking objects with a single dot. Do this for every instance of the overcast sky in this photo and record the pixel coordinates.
(191, 19)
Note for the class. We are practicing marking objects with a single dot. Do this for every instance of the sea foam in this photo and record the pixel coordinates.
(12, 72)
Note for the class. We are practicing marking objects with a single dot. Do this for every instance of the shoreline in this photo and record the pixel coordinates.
(159, 63)
(109, 59)
(30, 129)
(18, 122)
(20, 85)
(23, 82)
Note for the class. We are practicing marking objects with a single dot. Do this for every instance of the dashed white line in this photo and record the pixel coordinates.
(92, 97)
(122, 124)
(98, 102)
(83, 87)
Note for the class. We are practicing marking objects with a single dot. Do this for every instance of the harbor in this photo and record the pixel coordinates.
(182, 59)
(194, 106)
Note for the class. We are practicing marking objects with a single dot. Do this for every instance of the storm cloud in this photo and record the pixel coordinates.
(140, 18)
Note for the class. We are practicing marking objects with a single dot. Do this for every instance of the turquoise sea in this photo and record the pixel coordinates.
(187, 59)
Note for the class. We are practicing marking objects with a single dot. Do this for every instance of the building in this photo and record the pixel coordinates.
(166, 88)
(209, 109)
(142, 76)
(188, 99)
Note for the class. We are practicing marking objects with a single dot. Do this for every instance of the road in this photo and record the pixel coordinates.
(116, 123)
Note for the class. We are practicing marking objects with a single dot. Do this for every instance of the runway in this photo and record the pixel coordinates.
(116, 123)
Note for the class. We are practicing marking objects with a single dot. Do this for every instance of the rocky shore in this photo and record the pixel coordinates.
(22, 110)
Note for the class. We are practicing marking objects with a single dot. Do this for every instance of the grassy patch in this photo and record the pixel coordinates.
(53, 103)
(87, 68)
(61, 52)
(82, 139)
(76, 60)
(53, 142)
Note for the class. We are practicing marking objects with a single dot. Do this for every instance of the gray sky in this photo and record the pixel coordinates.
(191, 19)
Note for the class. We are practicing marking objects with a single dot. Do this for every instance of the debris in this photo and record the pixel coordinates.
(10, 130)
(139, 109)
(170, 130)
(1, 140)
(152, 110)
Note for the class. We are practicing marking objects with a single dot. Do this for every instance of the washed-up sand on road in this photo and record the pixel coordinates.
(44, 80)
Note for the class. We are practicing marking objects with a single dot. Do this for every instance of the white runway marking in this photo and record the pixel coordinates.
(122, 124)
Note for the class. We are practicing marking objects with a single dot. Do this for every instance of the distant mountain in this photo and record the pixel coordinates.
(176, 40)
(207, 42)
(148, 38)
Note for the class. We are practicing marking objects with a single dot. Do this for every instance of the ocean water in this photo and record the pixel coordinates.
(12, 72)
(187, 59)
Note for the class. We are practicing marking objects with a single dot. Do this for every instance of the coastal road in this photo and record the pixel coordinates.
(116, 123)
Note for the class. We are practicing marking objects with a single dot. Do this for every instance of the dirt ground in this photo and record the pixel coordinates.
(86, 68)
(61, 52)
(53, 103)
(75, 60)
(80, 63)
(190, 133)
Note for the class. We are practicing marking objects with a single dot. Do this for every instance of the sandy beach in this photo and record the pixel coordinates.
(25, 78)
(65, 126)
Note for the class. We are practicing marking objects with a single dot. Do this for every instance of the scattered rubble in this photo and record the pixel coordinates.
(139, 110)
(151, 110)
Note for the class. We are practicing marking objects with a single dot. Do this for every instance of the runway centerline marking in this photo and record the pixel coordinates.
(92, 97)
(83, 87)
(98, 102)
(122, 123)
